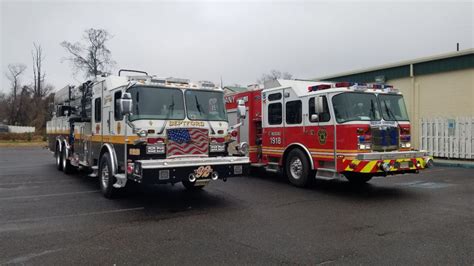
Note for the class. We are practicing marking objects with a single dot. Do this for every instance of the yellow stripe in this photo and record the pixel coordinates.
(322, 156)
(368, 168)
(314, 149)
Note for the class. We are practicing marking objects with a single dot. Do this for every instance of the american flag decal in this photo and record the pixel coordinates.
(187, 141)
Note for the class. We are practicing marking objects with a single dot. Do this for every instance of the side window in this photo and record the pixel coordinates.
(274, 96)
(324, 116)
(274, 113)
(97, 110)
(117, 114)
(293, 112)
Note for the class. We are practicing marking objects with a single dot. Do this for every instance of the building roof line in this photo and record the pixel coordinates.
(401, 63)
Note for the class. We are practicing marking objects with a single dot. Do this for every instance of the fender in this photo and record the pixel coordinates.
(59, 144)
(288, 148)
(109, 148)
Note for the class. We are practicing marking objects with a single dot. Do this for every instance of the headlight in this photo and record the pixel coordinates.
(142, 133)
(243, 148)
(365, 146)
(405, 144)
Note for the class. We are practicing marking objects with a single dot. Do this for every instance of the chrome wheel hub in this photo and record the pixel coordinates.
(296, 168)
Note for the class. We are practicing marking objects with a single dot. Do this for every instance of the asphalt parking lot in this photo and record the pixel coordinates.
(47, 218)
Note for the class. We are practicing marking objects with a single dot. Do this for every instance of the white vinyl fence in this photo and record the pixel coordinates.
(18, 129)
(448, 137)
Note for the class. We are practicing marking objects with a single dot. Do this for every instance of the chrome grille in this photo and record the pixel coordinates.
(385, 138)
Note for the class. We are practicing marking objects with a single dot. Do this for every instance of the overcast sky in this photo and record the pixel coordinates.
(236, 40)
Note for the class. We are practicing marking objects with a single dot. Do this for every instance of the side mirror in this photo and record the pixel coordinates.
(314, 118)
(319, 105)
(126, 104)
(241, 110)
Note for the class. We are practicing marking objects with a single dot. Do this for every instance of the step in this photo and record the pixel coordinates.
(326, 174)
(271, 170)
(95, 171)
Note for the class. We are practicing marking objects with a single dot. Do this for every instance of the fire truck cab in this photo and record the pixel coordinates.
(307, 129)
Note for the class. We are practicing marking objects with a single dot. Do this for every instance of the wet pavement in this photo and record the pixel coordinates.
(47, 217)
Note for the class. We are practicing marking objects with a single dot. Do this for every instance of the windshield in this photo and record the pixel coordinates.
(356, 106)
(205, 105)
(393, 107)
(156, 103)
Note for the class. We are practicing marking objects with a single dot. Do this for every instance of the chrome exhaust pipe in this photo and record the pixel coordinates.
(215, 175)
(192, 178)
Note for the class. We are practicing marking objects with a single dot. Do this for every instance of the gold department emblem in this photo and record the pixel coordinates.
(322, 135)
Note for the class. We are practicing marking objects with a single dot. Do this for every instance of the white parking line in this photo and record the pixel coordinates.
(35, 182)
(73, 215)
(49, 195)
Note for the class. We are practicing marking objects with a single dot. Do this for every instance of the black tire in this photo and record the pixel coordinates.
(297, 168)
(106, 179)
(357, 179)
(58, 158)
(66, 164)
(190, 186)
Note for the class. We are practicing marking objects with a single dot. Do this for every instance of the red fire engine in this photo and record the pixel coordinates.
(292, 126)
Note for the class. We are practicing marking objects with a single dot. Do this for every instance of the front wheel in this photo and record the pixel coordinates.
(107, 180)
(298, 168)
(66, 163)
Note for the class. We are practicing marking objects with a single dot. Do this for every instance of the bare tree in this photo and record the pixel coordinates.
(38, 74)
(92, 56)
(13, 75)
(274, 74)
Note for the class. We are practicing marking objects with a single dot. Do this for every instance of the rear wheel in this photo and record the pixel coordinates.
(297, 168)
(107, 180)
(357, 179)
(58, 155)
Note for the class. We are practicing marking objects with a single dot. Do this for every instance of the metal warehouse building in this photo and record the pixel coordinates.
(439, 94)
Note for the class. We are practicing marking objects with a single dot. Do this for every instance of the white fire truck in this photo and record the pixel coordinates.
(307, 129)
(144, 129)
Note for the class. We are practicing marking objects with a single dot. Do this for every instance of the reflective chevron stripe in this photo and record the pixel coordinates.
(374, 166)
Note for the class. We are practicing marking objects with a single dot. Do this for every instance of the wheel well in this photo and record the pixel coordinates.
(299, 147)
(102, 151)
(107, 148)
(58, 147)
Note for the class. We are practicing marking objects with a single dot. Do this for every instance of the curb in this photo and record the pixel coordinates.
(453, 164)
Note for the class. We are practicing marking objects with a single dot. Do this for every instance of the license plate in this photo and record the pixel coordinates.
(154, 149)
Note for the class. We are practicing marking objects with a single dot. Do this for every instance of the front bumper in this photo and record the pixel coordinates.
(176, 169)
(394, 162)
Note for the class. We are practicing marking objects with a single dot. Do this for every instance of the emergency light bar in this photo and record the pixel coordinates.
(319, 87)
(177, 80)
(354, 85)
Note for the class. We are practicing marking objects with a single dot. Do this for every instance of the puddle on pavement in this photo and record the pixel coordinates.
(428, 185)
